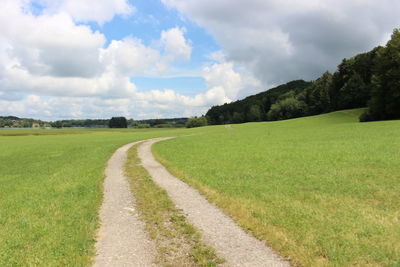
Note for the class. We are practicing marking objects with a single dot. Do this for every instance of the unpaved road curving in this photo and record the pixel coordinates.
(121, 240)
(217, 229)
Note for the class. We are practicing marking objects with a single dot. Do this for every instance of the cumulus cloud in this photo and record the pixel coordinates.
(110, 96)
(131, 58)
(175, 44)
(223, 75)
(49, 44)
(284, 40)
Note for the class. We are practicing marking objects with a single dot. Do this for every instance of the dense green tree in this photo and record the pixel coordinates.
(385, 93)
(238, 117)
(317, 97)
(254, 113)
(118, 122)
(354, 93)
(351, 84)
(196, 122)
(287, 109)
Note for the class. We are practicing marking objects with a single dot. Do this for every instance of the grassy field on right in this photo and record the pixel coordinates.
(321, 190)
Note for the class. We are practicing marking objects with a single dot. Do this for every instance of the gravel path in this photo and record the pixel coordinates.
(122, 240)
(218, 230)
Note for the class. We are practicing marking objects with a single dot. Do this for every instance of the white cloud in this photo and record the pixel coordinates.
(130, 57)
(223, 76)
(223, 82)
(108, 84)
(284, 40)
(49, 45)
(175, 44)
(110, 96)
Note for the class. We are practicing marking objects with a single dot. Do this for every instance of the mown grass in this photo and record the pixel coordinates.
(178, 242)
(322, 190)
(50, 192)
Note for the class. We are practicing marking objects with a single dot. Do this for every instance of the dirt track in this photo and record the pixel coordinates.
(122, 240)
(218, 230)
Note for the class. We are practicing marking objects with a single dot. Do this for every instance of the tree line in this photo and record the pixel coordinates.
(115, 122)
(369, 80)
(121, 122)
(15, 122)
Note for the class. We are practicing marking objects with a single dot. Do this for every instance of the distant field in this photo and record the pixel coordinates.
(50, 191)
(40, 131)
(322, 190)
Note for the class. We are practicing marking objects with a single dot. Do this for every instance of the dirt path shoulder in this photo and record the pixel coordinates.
(218, 230)
(122, 240)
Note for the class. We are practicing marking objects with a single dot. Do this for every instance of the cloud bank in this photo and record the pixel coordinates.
(52, 66)
(285, 40)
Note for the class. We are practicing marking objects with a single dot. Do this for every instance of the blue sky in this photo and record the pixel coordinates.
(172, 58)
(185, 85)
(150, 18)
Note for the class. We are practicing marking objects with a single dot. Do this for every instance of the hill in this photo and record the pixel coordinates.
(365, 80)
(255, 107)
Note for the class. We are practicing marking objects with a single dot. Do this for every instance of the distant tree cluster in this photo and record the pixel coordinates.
(118, 122)
(88, 123)
(370, 80)
(163, 123)
(105, 123)
(15, 122)
(196, 122)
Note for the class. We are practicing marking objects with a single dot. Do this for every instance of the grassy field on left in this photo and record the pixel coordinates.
(51, 189)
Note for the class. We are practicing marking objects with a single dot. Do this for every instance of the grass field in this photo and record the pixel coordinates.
(50, 191)
(322, 190)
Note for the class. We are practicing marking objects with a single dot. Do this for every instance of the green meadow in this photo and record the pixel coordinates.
(51, 189)
(321, 190)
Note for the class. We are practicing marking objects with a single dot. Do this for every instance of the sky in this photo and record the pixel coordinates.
(74, 59)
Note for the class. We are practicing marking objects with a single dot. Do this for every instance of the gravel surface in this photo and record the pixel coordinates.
(122, 240)
(217, 229)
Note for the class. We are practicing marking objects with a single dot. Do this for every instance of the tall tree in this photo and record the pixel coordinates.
(385, 94)
(317, 95)
(254, 113)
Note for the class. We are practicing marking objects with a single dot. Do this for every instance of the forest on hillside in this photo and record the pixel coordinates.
(369, 80)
